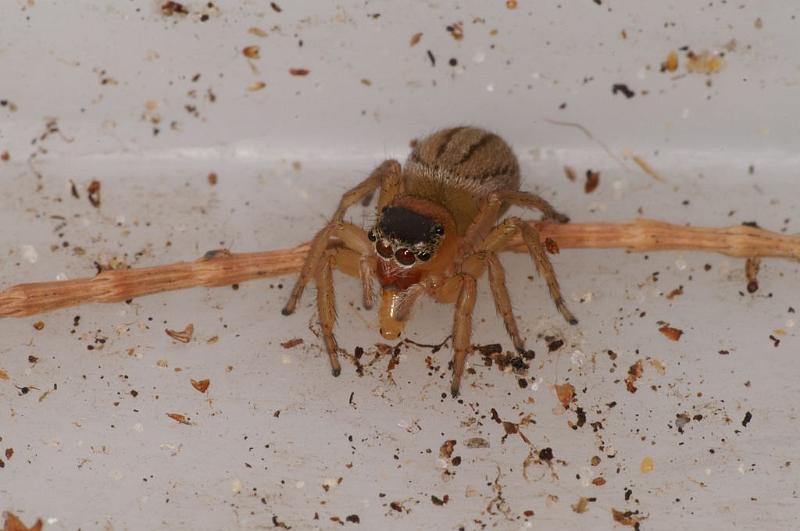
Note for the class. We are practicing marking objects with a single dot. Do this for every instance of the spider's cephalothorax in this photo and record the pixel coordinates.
(437, 231)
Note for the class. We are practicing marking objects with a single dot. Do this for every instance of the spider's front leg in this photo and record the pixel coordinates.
(464, 287)
(387, 176)
(350, 262)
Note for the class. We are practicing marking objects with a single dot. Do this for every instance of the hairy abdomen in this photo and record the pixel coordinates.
(458, 168)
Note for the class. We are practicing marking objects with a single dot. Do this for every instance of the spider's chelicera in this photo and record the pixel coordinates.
(438, 229)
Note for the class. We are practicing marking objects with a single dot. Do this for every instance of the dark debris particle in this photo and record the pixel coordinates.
(94, 193)
(555, 345)
(546, 454)
(623, 88)
(170, 8)
(353, 518)
(747, 418)
(592, 181)
(278, 523)
(581, 417)
(523, 383)
(488, 350)
(432, 58)
(275, 7)
(439, 501)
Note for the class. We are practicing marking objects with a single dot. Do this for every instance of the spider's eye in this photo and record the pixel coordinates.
(384, 249)
(439, 230)
(405, 257)
(371, 236)
(424, 256)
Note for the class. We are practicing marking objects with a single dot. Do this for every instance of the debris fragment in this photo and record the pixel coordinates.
(184, 336)
(178, 417)
(635, 372)
(252, 52)
(565, 393)
(94, 193)
(673, 334)
(592, 181)
(671, 64)
(201, 385)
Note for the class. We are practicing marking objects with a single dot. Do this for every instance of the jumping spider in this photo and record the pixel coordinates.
(436, 232)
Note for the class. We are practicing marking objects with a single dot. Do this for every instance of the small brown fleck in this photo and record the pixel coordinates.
(252, 52)
(255, 87)
(635, 372)
(511, 4)
(677, 292)
(38, 325)
(184, 336)
(178, 417)
(592, 181)
(291, 343)
(12, 523)
(456, 30)
(170, 8)
(258, 32)
(275, 7)
(299, 71)
(94, 193)
(581, 506)
(673, 334)
(565, 393)
(446, 450)
(212, 179)
(5, 157)
(551, 245)
(671, 64)
(439, 501)
(569, 171)
(476, 442)
(9, 453)
(627, 518)
(201, 385)
(415, 39)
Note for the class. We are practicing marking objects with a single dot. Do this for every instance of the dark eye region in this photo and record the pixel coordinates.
(405, 225)
(384, 249)
(404, 256)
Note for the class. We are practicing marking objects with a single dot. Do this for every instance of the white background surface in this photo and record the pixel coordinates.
(90, 455)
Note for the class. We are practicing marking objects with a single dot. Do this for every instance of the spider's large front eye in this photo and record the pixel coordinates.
(405, 257)
(424, 256)
(439, 230)
(371, 236)
(384, 249)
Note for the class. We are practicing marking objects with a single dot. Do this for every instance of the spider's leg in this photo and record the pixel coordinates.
(388, 174)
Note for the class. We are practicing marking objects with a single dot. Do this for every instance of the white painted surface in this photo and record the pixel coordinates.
(90, 455)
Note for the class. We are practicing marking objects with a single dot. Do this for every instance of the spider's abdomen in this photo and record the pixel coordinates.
(458, 168)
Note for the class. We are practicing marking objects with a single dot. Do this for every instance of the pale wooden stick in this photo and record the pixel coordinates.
(222, 268)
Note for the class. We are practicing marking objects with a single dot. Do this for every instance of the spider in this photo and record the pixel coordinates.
(438, 229)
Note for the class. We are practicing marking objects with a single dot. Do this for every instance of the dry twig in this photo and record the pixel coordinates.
(221, 268)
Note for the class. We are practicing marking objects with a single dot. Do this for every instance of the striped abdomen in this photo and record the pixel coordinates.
(458, 168)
